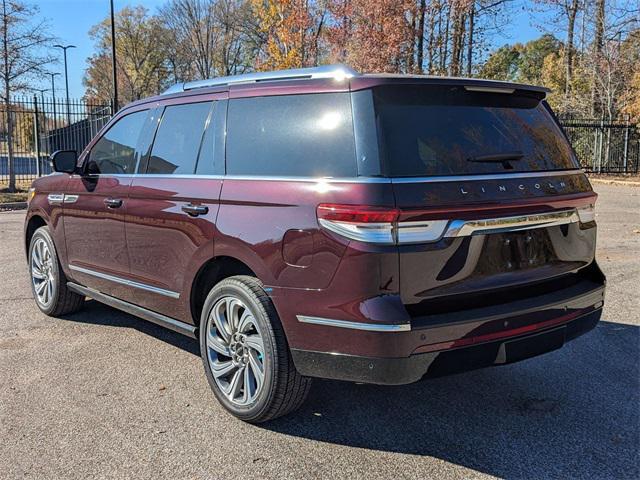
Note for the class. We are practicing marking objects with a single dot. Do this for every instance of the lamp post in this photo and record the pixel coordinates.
(41, 90)
(37, 127)
(113, 61)
(66, 76)
(53, 95)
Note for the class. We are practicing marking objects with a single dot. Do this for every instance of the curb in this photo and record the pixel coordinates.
(626, 183)
(13, 206)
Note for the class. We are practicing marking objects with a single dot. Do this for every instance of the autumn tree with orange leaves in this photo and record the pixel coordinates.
(373, 35)
(290, 31)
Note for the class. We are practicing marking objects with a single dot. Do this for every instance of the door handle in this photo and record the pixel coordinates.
(195, 210)
(113, 202)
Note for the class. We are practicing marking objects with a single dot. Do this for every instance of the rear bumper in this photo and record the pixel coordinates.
(398, 371)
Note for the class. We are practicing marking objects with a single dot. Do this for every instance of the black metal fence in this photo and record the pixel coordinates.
(605, 147)
(40, 126)
(34, 127)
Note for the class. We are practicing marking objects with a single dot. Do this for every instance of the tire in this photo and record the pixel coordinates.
(48, 281)
(237, 349)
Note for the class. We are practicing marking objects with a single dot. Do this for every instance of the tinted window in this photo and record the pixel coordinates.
(177, 143)
(448, 131)
(115, 152)
(211, 158)
(291, 135)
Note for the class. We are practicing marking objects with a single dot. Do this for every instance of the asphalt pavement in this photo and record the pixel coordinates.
(103, 394)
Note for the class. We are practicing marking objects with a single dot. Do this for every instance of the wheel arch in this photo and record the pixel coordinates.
(35, 222)
(208, 275)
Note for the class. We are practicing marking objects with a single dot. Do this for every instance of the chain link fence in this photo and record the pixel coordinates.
(34, 127)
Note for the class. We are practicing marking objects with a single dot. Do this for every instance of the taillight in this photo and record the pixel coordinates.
(362, 223)
(377, 225)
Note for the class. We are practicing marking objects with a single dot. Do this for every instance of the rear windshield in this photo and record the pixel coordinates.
(450, 131)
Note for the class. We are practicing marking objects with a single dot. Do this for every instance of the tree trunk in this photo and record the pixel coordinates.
(568, 54)
(600, 20)
(7, 99)
(457, 38)
(598, 45)
(420, 43)
(445, 44)
(472, 14)
(431, 48)
(410, 54)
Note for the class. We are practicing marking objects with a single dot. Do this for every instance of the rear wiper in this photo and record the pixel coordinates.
(497, 157)
(503, 158)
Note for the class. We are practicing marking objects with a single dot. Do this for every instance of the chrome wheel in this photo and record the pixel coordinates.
(42, 273)
(235, 350)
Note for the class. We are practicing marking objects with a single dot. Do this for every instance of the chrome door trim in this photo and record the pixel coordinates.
(371, 327)
(124, 281)
(466, 228)
(55, 198)
(70, 198)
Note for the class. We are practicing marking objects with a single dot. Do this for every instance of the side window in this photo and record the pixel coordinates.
(291, 135)
(177, 143)
(115, 151)
(211, 158)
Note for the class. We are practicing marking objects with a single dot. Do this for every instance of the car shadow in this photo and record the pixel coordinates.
(571, 413)
(96, 313)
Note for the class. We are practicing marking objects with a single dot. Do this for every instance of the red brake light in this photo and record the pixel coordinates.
(357, 213)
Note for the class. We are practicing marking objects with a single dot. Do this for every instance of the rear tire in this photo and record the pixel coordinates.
(48, 281)
(245, 352)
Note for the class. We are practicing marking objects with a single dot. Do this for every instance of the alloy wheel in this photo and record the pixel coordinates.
(42, 272)
(235, 350)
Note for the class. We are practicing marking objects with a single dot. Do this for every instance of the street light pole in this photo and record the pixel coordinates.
(113, 61)
(53, 95)
(41, 90)
(66, 77)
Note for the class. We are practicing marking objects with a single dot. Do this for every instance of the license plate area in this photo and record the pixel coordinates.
(531, 346)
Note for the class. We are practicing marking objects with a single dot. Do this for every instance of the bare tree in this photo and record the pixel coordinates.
(21, 59)
(568, 11)
(207, 38)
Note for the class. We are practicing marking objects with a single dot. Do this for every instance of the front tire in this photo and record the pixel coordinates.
(48, 281)
(245, 353)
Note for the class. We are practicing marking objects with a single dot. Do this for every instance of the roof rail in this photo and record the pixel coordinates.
(337, 71)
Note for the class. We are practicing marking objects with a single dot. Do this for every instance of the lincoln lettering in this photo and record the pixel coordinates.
(522, 187)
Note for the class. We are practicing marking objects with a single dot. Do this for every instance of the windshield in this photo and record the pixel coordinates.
(433, 130)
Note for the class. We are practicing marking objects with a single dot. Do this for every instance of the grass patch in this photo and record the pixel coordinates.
(20, 195)
(6, 197)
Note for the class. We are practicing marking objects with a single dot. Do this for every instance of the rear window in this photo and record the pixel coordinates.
(291, 135)
(431, 130)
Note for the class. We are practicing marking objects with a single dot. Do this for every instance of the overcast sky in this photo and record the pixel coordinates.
(70, 21)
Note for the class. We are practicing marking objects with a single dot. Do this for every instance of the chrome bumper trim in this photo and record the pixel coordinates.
(370, 327)
(466, 228)
(123, 281)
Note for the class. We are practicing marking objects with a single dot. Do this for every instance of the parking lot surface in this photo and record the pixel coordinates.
(103, 394)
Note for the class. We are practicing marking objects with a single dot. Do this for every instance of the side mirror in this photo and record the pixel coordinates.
(64, 161)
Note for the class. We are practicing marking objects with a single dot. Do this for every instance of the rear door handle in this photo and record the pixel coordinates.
(195, 210)
(113, 202)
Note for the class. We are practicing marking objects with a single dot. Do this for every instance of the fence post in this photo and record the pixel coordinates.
(36, 134)
(625, 155)
(600, 141)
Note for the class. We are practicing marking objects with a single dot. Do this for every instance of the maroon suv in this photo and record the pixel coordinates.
(322, 223)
